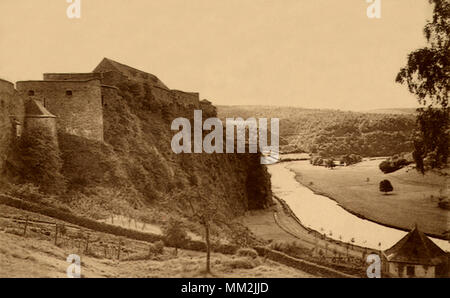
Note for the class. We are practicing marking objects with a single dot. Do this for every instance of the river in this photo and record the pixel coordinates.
(324, 215)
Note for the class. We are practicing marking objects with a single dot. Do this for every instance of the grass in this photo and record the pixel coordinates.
(414, 199)
(36, 255)
(26, 257)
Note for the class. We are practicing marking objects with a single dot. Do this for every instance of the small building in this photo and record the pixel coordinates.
(415, 255)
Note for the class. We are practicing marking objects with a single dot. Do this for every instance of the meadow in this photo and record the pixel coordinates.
(356, 188)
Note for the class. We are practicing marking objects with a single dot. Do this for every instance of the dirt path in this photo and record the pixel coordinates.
(277, 224)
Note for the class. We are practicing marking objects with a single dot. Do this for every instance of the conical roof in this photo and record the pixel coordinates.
(415, 248)
(35, 109)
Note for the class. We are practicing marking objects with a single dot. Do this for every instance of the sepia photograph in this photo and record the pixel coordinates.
(231, 146)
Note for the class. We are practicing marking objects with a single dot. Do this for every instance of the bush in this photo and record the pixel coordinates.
(40, 160)
(393, 164)
(175, 234)
(351, 159)
(156, 248)
(242, 263)
(159, 247)
(386, 186)
(27, 191)
(247, 252)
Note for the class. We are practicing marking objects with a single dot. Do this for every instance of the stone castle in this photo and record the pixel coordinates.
(75, 103)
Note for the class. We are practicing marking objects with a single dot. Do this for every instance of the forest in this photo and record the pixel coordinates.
(335, 133)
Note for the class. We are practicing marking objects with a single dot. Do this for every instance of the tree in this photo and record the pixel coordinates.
(329, 163)
(175, 234)
(386, 186)
(427, 75)
(204, 212)
(41, 161)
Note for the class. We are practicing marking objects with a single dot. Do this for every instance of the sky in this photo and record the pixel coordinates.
(305, 53)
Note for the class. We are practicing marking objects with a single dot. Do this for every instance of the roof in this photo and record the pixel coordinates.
(130, 72)
(415, 248)
(35, 109)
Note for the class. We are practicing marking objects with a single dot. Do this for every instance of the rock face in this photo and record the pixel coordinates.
(114, 131)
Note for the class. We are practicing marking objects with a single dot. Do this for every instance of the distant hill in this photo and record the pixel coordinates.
(401, 111)
(334, 132)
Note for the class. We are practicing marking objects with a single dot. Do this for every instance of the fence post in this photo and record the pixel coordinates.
(86, 249)
(56, 233)
(118, 250)
(25, 227)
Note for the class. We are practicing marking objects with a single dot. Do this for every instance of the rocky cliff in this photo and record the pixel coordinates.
(134, 168)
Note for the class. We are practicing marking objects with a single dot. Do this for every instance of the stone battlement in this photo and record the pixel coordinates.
(72, 76)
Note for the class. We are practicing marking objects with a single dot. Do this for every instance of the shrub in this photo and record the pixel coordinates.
(41, 162)
(156, 248)
(386, 186)
(350, 159)
(444, 200)
(159, 247)
(247, 252)
(175, 234)
(242, 263)
(393, 164)
(27, 191)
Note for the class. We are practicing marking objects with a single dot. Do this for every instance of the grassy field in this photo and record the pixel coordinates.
(356, 188)
(36, 255)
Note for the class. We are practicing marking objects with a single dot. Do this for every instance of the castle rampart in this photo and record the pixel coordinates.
(72, 76)
(81, 101)
(77, 104)
(186, 98)
(6, 87)
(38, 117)
(11, 118)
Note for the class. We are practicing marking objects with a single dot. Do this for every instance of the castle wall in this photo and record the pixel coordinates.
(77, 104)
(186, 98)
(11, 106)
(42, 123)
(72, 76)
(6, 87)
(162, 95)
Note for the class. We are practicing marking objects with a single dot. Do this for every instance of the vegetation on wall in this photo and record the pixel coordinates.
(137, 168)
(40, 161)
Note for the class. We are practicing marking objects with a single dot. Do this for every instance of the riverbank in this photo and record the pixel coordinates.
(327, 218)
(355, 189)
(279, 226)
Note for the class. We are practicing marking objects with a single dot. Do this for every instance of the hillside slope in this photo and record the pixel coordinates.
(135, 173)
(334, 132)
